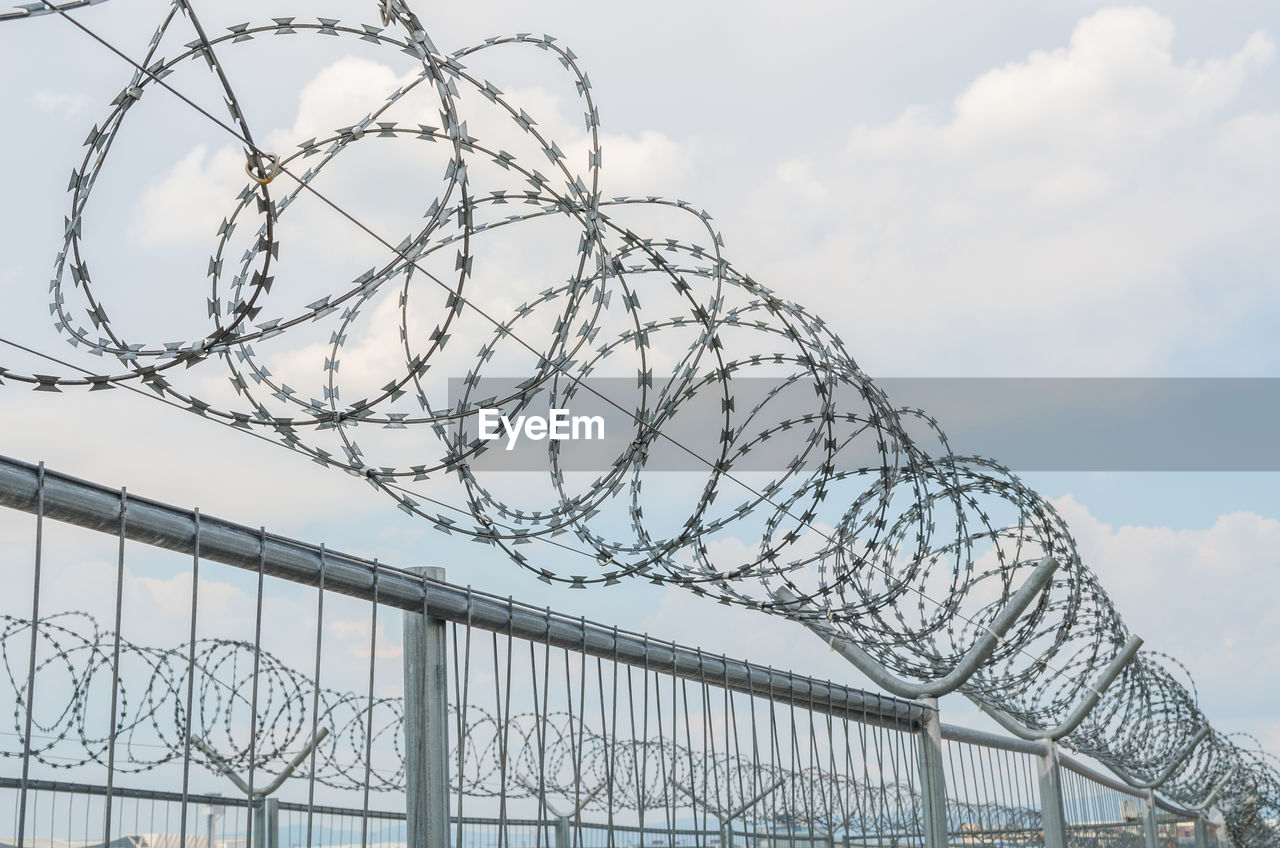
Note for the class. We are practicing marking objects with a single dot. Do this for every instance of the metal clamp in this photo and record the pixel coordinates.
(271, 172)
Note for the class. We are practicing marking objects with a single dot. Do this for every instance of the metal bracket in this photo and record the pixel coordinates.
(977, 654)
(726, 817)
(1169, 769)
(271, 787)
(546, 802)
(1204, 805)
(1095, 693)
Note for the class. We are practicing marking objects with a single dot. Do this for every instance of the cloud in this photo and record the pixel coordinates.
(189, 200)
(1114, 83)
(1203, 595)
(355, 638)
(338, 96)
(1056, 208)
(648, 164)
(68, 104)
(1252, 140)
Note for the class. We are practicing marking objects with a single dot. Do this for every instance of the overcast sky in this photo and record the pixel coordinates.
(980, 189)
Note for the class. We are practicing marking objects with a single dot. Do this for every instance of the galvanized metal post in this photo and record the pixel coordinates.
(426, 728)
(271, 822)
(564, 836)
(1150, 833)
(933, 786)
(1202, 832)
(1053, 817)
(266, 823)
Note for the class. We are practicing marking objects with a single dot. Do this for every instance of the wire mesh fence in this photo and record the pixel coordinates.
(176, 680)
(993, 796)
(1100, 816)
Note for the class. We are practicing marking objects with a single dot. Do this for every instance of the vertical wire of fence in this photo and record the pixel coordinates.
(1100, 815)
(617, 753)
(993, 795)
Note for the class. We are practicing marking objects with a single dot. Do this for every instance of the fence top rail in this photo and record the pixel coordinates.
(123, 792)
(61, 497)
(955, 733)
(1107, 780)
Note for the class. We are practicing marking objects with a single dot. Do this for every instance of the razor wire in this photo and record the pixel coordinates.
(526, 755)
(878, 533)
(554, 755)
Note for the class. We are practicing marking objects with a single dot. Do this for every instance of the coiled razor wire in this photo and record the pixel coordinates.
(554, 754)
(884, 535)
(525, 755)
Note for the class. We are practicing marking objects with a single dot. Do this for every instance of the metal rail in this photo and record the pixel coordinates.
(75, 501)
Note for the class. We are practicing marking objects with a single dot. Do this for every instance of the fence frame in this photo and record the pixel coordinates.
(429, 602)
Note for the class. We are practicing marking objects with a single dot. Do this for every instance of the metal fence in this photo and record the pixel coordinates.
(180, 680)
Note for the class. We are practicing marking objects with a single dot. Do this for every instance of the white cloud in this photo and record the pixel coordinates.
(1205, 596)
(649, 164)
(186, 204)
(321, 253)
(1115, 82)
(189, 200)
(355, 637)
(1053, 209)
(68, 104)
(1252, 139)
(339, 96)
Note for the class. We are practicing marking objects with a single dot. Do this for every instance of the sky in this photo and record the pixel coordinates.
(993, 189)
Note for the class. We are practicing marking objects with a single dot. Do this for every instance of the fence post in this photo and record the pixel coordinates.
(271, 821)
(426, 728)
(266, 823)
(933, 787)
(1202, 832)
(1149, 831)
(1053, 816)
(564, 836)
